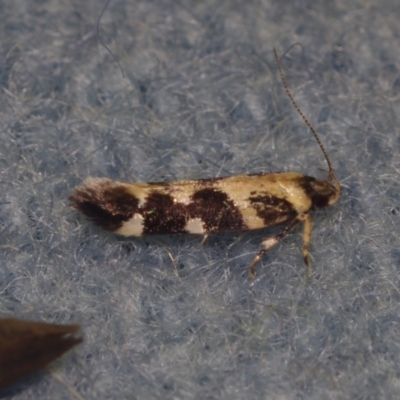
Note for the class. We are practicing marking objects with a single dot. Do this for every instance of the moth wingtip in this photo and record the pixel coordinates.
(89, 190)
(107, 203)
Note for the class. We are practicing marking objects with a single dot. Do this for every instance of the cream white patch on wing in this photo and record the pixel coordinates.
(250, 218)
(182, 193)
(139, 190)
(132, 227)
(195, 226)
(280, 185)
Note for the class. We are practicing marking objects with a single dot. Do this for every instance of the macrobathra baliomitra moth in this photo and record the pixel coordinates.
(203, 206)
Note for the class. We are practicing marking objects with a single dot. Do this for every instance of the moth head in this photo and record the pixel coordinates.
(323, 192)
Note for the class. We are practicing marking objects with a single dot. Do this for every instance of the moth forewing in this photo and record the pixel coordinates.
(239, 202)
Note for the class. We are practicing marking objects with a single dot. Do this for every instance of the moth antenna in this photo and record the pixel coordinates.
(101, 40)
(306, 121)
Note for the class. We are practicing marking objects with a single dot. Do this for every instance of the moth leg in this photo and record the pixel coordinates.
(306, 218)
(204, 239)
(270, 241)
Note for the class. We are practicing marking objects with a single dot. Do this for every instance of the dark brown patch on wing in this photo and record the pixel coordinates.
(217, 211)
(163, 215)
(106, 203)
(271, 209)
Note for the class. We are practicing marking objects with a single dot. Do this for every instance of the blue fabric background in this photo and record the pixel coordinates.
(167, 317)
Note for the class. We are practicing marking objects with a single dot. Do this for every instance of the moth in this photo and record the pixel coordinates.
(204, 206)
